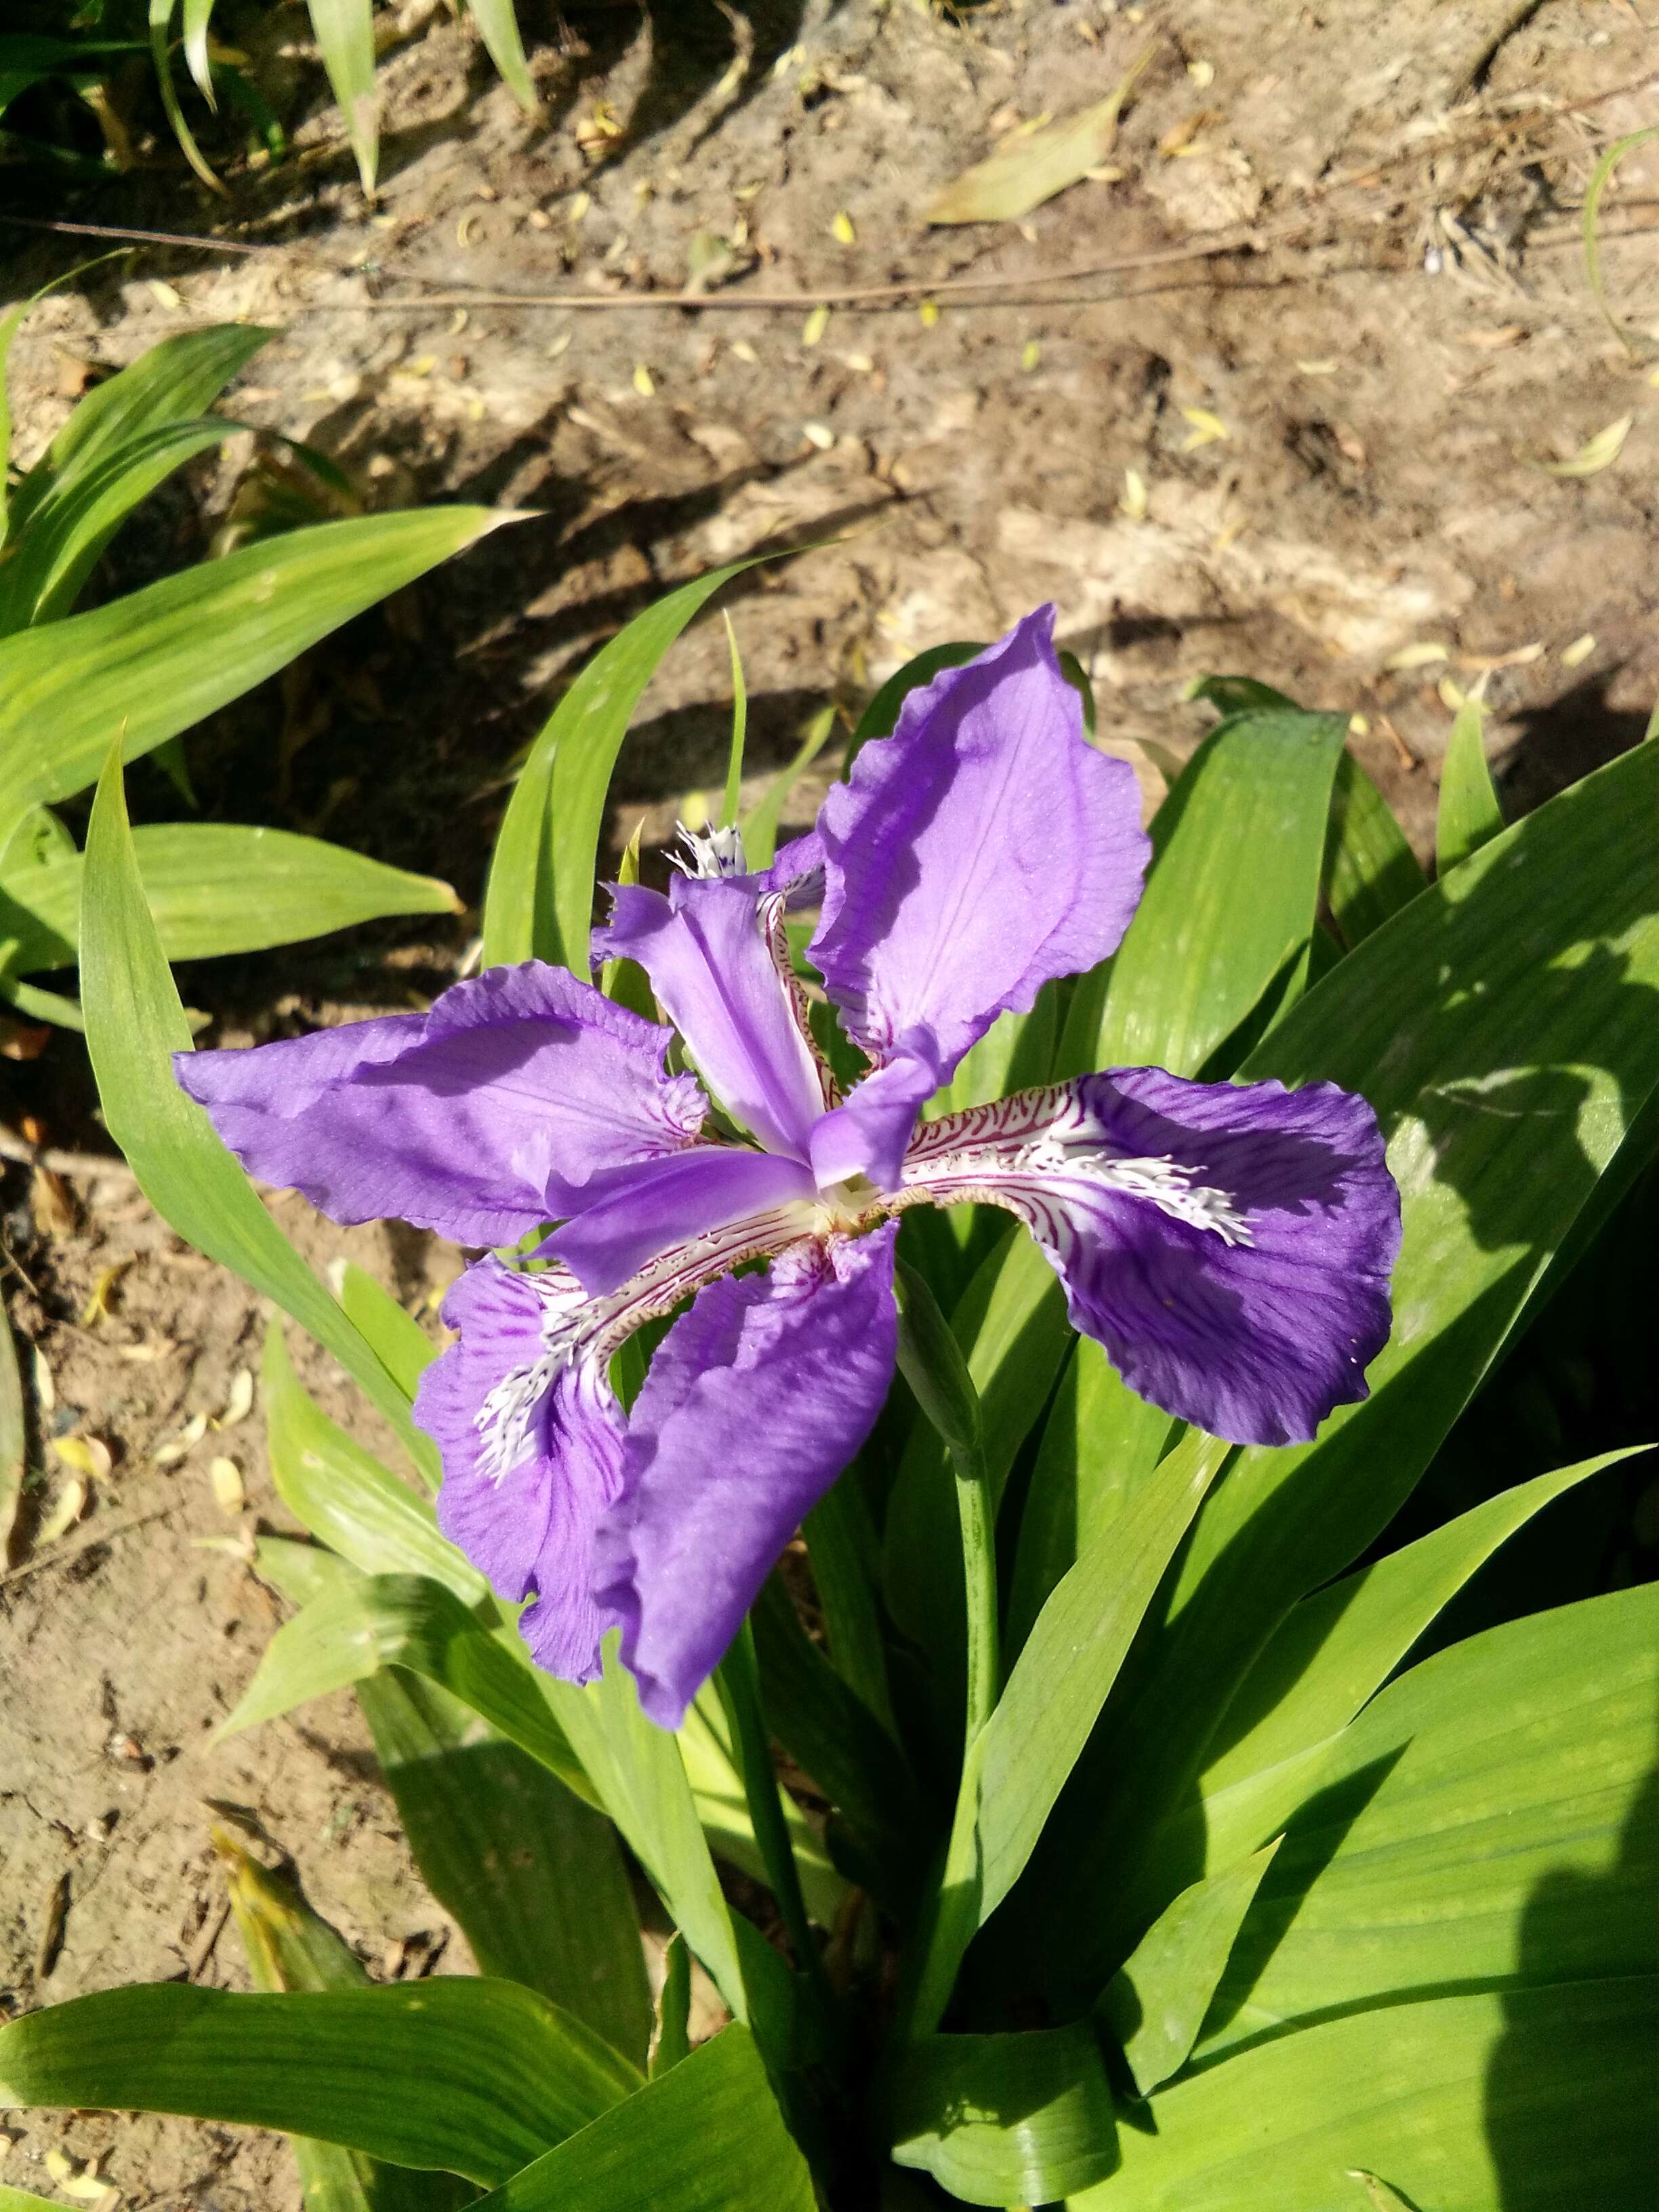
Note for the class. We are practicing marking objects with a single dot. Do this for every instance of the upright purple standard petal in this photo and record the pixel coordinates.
(531, 1446)
(709, 950)
(509, 1103)
(1230, 1245)
(756, 1401)
(982, 849)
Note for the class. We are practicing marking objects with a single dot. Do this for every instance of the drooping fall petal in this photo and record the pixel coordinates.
(532, 1459)
(509, 1103)
(1230, 1245)
(757, 1399)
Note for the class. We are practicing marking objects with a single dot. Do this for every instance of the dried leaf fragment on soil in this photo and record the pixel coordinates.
(65, 1509)
(13, 1439)
(1597, 454)
(229, 1494)
(1010, 184)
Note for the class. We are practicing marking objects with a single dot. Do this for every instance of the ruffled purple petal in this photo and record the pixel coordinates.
(796, 872)
(982, 849)
(1231, 1246)
(757, 1399)
(708, 950)
(671, 1201)
(531, 1461)
(867, 1132)
(509, 1103)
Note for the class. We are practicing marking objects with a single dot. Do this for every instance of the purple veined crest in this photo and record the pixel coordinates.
(1230, 1246)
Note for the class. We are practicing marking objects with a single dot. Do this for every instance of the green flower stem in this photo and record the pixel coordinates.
(737, 1678)
(930, 1361)
(979, 1561)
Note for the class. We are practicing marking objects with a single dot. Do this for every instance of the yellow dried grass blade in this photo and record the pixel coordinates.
(1597, 454)
(1010, 184)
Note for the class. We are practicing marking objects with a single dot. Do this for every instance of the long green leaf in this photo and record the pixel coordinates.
(1156, 2001)
(731, 797)
(1370, 871)
(1505, 1097)
(640, 1776)
(121, 440)
(216, 887)
(168, 383)
(405, 1349)
(1223, 929)
(27, 58)
(760, 824)
(1469, 815)
(1228, 913)
(1336, 1649)
(354, 1503)
(833, 1737)
(472, 2077)
(705, 2137)
(1100, 1445)
(498, 24)
(1486, 1821)
(709, 1753)
(53, 552)
(345, 31)
(353, 1630)
(532, 1875)
(136, 669)
(1530, 2102)
(539, 900)
(1011, 1325)
(1020, 1760)
(197, 17)
(1006, 2120)
(845, 1558)
(345, 1496)
(134, 1024)
(288, 1946)
(10, 323)
(161, 23)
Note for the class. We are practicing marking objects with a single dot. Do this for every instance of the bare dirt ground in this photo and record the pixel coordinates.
(1366, 335)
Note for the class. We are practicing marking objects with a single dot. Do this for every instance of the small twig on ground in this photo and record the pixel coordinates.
(202, 1950)
(61, 1554)
(26, 1155)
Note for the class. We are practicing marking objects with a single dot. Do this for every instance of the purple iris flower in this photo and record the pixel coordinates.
(1230, 1246)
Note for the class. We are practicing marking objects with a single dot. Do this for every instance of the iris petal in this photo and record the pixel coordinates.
(1230, 1245)
(709, 951)
(670, 1201)
(524, 1492)
(982, 850)
(511, 1103)
(756, 1401)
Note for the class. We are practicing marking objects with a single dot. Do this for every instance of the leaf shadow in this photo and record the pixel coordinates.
(1529, 2098)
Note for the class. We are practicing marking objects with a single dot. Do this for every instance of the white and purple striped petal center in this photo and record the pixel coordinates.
(1040, 1143)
